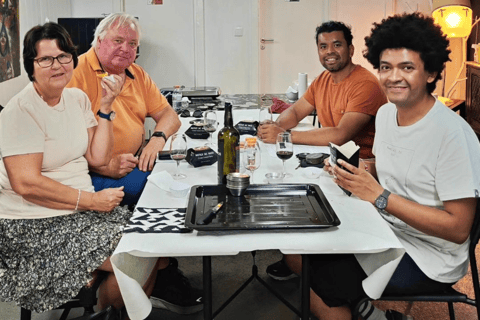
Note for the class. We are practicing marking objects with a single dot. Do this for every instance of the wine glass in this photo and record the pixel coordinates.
(252, 157)
(178, 152)
(284, 149)
(265, 115)
(210, 125)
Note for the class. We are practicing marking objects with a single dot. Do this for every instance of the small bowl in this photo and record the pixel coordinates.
(311, 172)
(292, 95)
(274, 177)
(179, 189)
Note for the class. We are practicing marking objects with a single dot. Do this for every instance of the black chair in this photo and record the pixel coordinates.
(86, 298)
(451, 296)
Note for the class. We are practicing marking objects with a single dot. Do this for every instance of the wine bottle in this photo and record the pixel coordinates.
(228, 147)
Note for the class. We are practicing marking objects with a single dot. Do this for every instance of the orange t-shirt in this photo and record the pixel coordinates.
(360, 91)
(139, 98)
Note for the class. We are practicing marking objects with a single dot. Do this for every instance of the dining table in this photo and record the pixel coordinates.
(361, 231)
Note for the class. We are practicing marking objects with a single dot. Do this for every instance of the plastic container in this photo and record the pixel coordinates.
(177, 99)
(179, 189)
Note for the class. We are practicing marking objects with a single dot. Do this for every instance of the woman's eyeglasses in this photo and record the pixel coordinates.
(46, 62)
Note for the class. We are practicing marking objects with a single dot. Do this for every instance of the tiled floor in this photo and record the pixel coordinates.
(255, 302)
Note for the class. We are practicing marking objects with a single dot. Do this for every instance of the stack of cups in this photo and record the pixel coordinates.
(302, 84)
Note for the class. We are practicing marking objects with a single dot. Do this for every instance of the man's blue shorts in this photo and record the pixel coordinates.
(134, 182)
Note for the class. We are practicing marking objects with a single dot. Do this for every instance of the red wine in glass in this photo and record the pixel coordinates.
(284, 155)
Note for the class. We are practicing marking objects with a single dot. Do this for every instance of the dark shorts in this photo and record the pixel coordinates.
(134, 182)
(337, 279)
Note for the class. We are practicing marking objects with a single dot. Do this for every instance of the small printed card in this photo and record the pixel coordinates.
(201, 156)
(196, 131)
(247, 127)
(348, 152)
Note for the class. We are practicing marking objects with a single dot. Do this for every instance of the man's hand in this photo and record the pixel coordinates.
(149, 153)
(121, 165)
(107, 199)
(359, 182)
(110, 91)
(268, 132)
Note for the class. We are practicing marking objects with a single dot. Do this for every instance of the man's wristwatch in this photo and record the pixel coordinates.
(160, 134)
(110, 116)
(382, 200)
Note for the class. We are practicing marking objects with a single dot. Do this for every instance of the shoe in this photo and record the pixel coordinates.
(395, 315)
(280, 271)
(172, 291)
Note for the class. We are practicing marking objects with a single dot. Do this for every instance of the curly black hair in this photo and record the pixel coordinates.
(415, 32)
(331, 26)
(49, 31)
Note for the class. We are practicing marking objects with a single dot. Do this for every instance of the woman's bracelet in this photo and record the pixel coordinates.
(78, 199)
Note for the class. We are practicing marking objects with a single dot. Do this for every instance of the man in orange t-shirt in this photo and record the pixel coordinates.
(346, 97)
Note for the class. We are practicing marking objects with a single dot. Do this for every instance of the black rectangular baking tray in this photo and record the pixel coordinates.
(271, 206)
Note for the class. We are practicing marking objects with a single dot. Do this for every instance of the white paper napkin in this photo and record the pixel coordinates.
(162, 179)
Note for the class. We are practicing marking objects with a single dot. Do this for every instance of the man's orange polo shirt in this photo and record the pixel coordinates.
(138, 99)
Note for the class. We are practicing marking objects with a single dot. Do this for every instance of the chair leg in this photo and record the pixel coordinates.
(64, 314)
(451, 311)
(25, 314)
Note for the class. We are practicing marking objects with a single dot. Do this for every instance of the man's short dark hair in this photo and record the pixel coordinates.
(415, 32)
(331, 26)
(49, 31)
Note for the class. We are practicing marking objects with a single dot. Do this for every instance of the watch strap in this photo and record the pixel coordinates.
(385, 193)
(107, 116)
(160, 134)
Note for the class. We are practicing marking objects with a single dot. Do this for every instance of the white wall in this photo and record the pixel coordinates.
(231, 61)
(167, 47)
(32, 13)
(192, 42)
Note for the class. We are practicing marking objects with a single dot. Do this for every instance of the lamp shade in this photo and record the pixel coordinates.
(453, 16)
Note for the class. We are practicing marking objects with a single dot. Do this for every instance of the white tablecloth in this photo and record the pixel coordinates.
(362, 231)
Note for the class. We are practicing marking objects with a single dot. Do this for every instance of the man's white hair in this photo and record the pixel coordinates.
(116, 20)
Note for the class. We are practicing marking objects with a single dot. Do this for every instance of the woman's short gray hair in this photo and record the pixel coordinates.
(117, 19)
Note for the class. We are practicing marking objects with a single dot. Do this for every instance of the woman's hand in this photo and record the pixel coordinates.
(359, 182)
(107, 199)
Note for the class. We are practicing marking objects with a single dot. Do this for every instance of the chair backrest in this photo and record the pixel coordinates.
(474, 238)
(475, 232)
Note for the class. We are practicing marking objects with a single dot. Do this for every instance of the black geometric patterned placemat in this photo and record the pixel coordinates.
(157, 220)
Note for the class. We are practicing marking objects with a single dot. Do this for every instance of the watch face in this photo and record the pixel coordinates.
(112, 115)
(381, 203)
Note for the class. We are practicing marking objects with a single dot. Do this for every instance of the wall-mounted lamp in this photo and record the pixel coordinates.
(453, 16)
(455, 19)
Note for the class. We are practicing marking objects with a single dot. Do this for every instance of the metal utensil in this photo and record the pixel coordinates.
(212, 213)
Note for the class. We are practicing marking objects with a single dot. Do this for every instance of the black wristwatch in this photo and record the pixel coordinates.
(160, 134)
(382, 200)
(110, 116)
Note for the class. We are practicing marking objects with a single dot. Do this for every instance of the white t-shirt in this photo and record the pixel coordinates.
(29, 125)
(434, 160)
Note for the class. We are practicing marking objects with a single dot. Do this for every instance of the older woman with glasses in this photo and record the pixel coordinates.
(55, 231)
